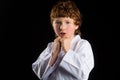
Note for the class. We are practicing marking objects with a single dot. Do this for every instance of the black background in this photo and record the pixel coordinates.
(25, 30)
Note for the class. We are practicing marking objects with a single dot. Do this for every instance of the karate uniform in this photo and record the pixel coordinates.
(76, 64)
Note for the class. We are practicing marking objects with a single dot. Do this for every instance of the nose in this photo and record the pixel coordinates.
(62, 26)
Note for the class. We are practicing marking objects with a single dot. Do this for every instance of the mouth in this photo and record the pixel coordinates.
(62, 34)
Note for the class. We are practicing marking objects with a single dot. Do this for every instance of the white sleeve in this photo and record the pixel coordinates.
(79, 63)
(40, 65)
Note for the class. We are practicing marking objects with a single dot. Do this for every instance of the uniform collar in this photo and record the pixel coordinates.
(74, 41)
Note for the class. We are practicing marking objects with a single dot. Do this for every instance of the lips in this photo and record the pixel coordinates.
(62, 34)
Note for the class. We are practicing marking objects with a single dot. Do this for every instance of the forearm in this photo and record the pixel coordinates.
(55, 52)
(53, 59)
(40, 67)
(76, 65)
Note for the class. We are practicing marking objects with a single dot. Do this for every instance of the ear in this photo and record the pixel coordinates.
(76, 27)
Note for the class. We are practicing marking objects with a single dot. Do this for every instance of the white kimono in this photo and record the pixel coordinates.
(76, 64)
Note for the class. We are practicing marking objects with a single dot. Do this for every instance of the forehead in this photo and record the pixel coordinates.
(63, 19)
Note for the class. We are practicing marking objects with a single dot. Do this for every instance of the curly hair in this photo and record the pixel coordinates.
(67, 8)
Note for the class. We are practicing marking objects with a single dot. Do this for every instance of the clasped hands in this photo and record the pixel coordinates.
(59, 43)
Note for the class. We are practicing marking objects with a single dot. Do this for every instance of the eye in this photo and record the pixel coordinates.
(67, 22)
(58, 22)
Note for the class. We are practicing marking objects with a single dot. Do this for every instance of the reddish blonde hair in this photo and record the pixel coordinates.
(67, 8)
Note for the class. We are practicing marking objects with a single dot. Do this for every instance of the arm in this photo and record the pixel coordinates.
(40, 65)
(55, 52)
(80, 62)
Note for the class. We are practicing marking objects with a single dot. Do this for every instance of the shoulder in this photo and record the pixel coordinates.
(84, 43)
(50, 44)
(80, 41)
(48, 47)
(85, 47)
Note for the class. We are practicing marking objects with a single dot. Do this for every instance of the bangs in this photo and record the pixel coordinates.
(61, 11)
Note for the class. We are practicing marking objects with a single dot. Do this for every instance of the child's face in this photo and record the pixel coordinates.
(64, 27)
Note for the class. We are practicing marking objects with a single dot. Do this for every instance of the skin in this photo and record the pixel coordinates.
(64, 28)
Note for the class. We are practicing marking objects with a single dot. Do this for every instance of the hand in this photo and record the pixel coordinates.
(57, 45)
(65, 44)
(56, 49)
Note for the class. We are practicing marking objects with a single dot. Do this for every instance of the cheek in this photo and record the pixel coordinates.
(71, 30)
(56, 30)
